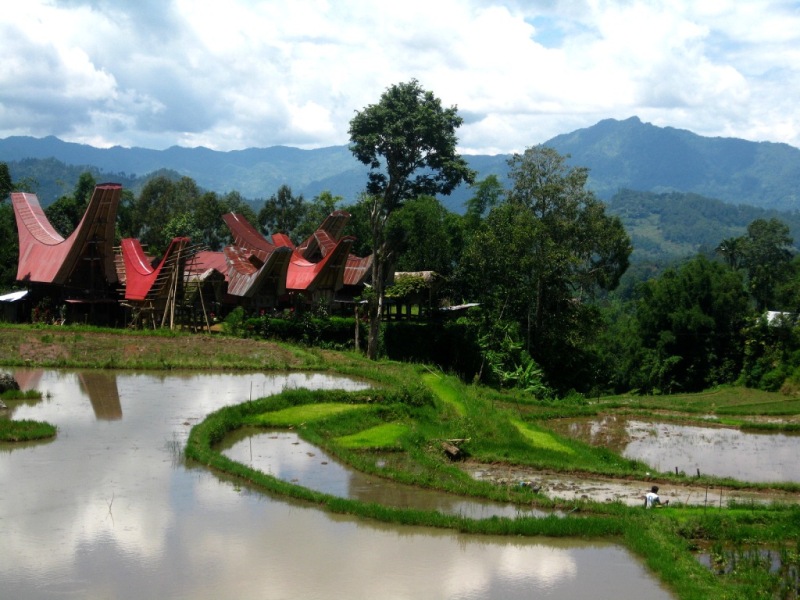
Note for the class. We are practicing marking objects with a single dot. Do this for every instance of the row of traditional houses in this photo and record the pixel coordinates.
(91, 277)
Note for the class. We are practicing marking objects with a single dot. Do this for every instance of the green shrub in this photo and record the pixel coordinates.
(306, 328)
(234, 323)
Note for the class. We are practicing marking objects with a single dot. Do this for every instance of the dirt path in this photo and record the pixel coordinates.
(629, 492)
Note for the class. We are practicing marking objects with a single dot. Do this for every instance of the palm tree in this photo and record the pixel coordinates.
(731, 250)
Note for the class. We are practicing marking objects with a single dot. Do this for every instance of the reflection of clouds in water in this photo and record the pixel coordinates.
(207, 391)
(282, 455)
(715, 451)
(63, 402)
(173, 531)
(126, 521)
(546, 564)
(536, 567)
(466, 577)
(118, 463)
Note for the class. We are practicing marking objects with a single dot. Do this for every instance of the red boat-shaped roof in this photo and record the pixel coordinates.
(327, 274)
(302, 274)
(46, 257)
(143, 281)
(247, 273)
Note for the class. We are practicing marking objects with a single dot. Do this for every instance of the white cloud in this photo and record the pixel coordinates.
(244, 73)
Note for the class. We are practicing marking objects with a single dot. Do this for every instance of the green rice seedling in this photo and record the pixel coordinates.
(306, 413)
(445, 392)
(541, 439)
(387, 435)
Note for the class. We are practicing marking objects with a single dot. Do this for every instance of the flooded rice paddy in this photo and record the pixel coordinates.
(283, 454)
(720, 451)
(110, 509)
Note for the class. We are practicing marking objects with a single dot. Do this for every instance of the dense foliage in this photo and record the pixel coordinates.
(542, 258)
(666, 225)
(408, 141)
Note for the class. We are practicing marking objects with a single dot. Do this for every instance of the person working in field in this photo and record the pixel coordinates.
(653, 500)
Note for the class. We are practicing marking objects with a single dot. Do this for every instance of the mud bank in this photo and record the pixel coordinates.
(576, 487)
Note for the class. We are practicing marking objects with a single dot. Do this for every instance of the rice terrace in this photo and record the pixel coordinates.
(378, 397)
(720, 536)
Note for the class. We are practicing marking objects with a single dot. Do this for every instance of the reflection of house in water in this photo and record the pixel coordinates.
(101, 387)
(28, 379)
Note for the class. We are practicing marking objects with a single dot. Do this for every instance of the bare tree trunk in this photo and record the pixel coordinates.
(376, 303)
(357, 344)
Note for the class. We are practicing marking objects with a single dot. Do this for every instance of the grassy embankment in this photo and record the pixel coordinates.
(396, 428)
(24, 430)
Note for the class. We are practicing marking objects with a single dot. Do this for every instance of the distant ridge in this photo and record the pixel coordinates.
(640, 156)
(627, 154)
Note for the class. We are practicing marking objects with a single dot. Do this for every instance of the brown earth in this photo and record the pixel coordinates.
(54, 346)
(577, 487)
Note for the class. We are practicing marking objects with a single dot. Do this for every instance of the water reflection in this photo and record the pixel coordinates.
(756, 457)
(109, 510)
(283, 454)
(101, 387)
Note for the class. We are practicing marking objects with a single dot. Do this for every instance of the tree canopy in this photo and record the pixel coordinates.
(283, 212)
(546, 250)
(408, 140)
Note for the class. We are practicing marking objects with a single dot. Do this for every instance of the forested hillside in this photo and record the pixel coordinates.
(634, 155)
(702, 234)
(550, 318)
(675, 225)
(625, 154)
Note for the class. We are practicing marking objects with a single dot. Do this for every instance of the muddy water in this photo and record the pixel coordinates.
(111, 510)
(286, 456)
(756, 457)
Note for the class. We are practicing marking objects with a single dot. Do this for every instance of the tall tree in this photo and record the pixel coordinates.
(426, 236)
(488, 193)
(766, 255)
(9, 247)
(690, 325)
(409, 142)
(164, 202)
(9, 242)
(731, 250)
(6, 186)
(540, 256)
(577, 248)
(282, 212)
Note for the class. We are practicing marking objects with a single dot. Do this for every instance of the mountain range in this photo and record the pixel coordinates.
(621, 154)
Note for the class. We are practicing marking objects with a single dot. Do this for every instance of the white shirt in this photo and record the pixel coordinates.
(651, 499)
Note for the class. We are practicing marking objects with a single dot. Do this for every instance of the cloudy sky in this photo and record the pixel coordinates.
(237, 73)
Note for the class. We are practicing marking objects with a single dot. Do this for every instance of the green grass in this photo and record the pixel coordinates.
(722, 401)
(25, 431)
(387, 435)
(20, 395)
(657, 540)
(445, 391)
(666, 540)
(299, 415)
(541, 439)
